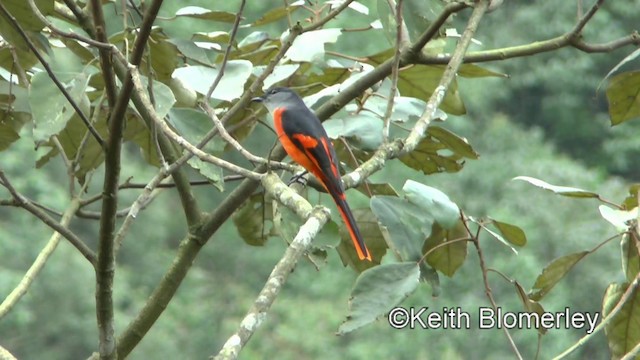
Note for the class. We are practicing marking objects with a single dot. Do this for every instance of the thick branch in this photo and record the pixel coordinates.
(105, 268)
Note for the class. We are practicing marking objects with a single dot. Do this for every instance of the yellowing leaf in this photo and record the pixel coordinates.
(623, 95)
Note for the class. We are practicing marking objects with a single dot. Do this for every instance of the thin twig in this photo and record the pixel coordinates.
(12, 299)
(395, 69)
(616, 309)
(49, 221)
(225, 59)
(54, 29)
(333, 13)
(51, 74)
(485, 280)
(100, 33)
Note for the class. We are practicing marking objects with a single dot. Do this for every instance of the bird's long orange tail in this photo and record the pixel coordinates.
(347, 216)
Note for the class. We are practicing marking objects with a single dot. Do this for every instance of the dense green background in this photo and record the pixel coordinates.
(546, 121)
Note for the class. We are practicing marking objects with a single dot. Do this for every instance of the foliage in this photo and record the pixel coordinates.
(99, 103)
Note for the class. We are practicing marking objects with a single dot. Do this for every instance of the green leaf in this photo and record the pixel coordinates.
(618, 218)
(7, 136)
(250, 220)
(426, 157)
(309, 47)
(206, 14)
(137, 132)
(560, 190)
(405, 223)
(444, 255)
(50, 109)
(419, 81)
(279, 73)
(362, 130)
(623, 95)
(511, 233)
(623, 330)
(554, 272)
(630, 257)
(434, 202)
(377, 290)
(163, 55)
(162, 96)
(453, 142)
(529, 305)
(495, 235)
(231, 86)
(89, 153)
(276, 14)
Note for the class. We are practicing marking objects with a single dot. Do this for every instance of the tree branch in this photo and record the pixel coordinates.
(101, 45)
(105, 267)
(278, 277)
(227, 51)
(395, 68)
(100, 33)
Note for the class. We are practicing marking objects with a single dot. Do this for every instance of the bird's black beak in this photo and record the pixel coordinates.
(257, 99)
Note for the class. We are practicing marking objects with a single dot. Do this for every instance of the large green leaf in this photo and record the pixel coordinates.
(623, 95)
(429, 156)
(163, 55)
(50, 109)
(434, 202)
(406, 224)
(560, 190)
(309, 47)
(7, 136)
(453, 142)
(623, 331)
(554, 272)
(279, 73)
(511, 233)
(276, 14)
(362, 130)
(231, 86)
(250, 220)
(444, 255)
(377, 290)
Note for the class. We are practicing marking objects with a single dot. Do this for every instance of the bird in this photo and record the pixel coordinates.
(305, 140)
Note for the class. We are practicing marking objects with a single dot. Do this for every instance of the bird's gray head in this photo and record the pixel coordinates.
(279, 97)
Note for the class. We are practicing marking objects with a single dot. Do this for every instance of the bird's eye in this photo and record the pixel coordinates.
(272, 91)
